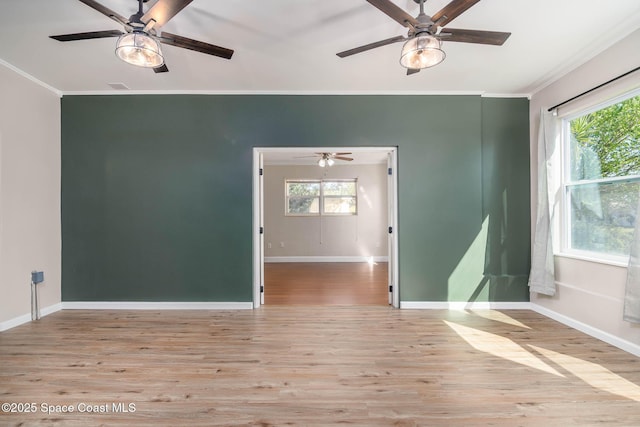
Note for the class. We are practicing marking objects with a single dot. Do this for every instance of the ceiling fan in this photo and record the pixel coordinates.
(422, 47)
(328, 159)
(140, 43)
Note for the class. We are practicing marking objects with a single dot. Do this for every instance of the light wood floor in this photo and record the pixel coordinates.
(307, 365)
(315, 283)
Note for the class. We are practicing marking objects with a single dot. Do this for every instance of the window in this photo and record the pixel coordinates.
(602, 178)
(321, 197)
(339, 197)
(303, 197)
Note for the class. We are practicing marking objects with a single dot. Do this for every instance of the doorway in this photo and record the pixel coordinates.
(326, 275)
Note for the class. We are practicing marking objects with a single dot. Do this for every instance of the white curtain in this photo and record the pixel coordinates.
(542, 277)
(631, 311)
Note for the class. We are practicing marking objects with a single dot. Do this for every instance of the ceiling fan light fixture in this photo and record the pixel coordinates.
(422, 51)
(139, 49)
(322, 162)
(330, 161)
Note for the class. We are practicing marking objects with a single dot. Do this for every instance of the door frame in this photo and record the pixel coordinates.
(258, 214)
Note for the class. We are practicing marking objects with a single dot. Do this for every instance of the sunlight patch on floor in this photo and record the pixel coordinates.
(593, 374)
(500, 347)
(498, 317)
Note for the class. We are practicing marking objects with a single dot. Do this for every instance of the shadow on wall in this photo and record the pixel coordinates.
(497, 261)
(507, 250)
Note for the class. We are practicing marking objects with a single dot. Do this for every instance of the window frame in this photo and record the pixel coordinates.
(567, 184)
(321, 197)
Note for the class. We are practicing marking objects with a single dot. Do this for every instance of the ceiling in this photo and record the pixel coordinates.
(290, 46)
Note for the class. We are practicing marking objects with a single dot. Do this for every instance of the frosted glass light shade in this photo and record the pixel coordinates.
(139, 49)
(421, 52)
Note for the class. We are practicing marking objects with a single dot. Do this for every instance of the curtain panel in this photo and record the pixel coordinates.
(542, 277)
(631, 312)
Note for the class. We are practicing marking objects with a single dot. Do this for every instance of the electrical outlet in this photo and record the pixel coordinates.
(282, 244)
(37, 276)
(269, 245)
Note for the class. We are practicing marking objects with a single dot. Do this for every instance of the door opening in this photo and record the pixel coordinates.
(316, 192)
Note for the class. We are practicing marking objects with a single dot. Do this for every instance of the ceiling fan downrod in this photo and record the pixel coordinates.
(135, 20)
(423, 24)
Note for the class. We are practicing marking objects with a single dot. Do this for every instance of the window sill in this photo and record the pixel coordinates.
(617, 262)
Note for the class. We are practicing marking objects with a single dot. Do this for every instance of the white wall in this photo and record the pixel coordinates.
(588, 292)
(361, 235)
(30, 237)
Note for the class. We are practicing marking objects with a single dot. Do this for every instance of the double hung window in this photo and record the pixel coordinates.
(601, 178)
(321, 197)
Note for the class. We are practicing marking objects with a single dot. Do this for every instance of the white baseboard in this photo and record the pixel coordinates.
(325, 259)
(16, 321)
(26, 318)
(51, 309)
(143, 305)
(464, 305)
(589, 330)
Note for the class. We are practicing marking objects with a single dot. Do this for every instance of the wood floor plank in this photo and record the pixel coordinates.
(312, 365)
(320, 283)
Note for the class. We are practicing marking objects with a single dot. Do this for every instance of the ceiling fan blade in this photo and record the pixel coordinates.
(496, 38)
(348, 159)
(340, 154)
(87, 36)
(161, 69)
(106, 11)
(411, 71)
(370, 46)
(163, 11)
(452, 11)
(198, 46)
(395, 13)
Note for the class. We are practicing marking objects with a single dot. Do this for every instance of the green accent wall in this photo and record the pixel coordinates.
(157, 190)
